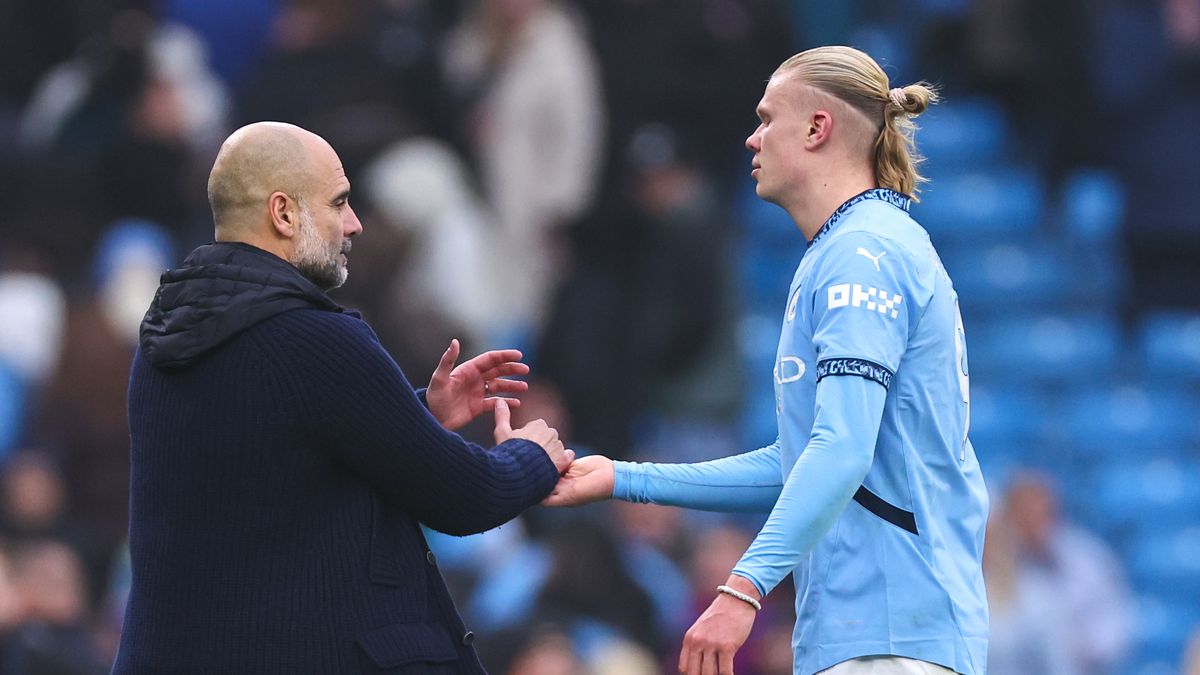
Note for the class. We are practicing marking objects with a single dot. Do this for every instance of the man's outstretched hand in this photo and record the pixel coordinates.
(588, 479)
(458, 395)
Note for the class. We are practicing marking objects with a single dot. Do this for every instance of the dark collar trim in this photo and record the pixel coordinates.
(892, 197)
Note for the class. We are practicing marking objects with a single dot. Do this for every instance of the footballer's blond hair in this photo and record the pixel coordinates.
(857, 80)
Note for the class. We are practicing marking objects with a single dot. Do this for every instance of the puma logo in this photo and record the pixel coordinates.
(873, 258)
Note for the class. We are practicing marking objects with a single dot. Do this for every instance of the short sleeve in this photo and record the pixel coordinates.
(866, 296)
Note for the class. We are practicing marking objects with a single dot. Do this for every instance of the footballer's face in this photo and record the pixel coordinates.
(778, 142)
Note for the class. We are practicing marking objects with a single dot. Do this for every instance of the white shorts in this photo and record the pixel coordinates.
(886, 665)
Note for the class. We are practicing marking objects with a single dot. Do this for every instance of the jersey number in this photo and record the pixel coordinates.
(964, 375)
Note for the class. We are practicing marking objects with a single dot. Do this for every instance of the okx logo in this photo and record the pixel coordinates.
(873, 299)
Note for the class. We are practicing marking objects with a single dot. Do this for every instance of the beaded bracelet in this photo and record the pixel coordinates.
(740, 596)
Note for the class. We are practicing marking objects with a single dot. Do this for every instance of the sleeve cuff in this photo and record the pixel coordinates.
(625, 474)
(422, 396)
(762, 590)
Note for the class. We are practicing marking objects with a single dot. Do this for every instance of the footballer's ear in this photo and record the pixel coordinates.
(820, 125)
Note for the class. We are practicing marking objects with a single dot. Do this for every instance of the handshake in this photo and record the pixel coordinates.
(581, 481)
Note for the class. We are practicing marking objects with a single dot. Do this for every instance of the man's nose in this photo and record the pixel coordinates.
(353, 225)
(752, 141)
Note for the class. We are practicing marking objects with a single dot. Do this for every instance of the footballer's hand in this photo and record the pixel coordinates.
(588, 479)
(711, 642)
(537, 431)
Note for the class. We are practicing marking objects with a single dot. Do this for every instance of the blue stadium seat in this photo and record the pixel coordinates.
(764, 276)
(1161, 628)
(12, 408)
(1167, 561)
(1007, 275)
(1006, 414)
(757, 337)
(1169, 345)
(1158, 495)
(1044, 348)
(763, 223)
(1093, 206)
(962, 133)
(887, 44)
(1135, 415)
(995, 204)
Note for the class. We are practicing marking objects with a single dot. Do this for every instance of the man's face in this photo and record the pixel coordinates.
(778, 141)
(327, 222)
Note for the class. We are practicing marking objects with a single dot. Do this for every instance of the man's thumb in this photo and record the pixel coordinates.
(503, 421)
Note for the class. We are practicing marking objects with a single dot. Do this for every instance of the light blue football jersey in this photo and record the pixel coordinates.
(900, 570)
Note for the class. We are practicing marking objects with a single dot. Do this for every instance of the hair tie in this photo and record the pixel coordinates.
(898, 97)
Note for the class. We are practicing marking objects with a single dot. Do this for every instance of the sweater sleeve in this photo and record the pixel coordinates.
(371, 419)
(749, 482)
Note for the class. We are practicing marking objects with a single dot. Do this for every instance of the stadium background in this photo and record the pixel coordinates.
(581, 164)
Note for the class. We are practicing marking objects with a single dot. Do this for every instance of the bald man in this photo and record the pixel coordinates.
(282, 464)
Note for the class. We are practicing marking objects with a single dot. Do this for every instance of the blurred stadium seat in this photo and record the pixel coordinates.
(1093, 205)
(1135, 415)
(963, 133)
(1169, 344)
(1046, 348)
(1001, 203)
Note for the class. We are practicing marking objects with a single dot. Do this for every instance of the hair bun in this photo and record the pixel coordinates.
(915, 98)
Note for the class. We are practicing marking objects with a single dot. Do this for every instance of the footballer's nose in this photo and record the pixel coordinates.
(753, 143)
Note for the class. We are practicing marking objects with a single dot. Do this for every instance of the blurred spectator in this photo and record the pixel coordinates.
(592, 594)
(127, 120)
(239, 27)
(32, 498)
(1033, 56)
(1146, 65)
(54, 636)
(529, 89)
(32, 313)
(651, 52)
(1191, 659)
(629, 307)
(421, 188)
(1058, 600)
(545, 651)
(331, 70)
(82, 418)
(653, 541)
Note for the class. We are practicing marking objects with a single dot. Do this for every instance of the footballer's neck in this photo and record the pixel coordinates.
(824, 196)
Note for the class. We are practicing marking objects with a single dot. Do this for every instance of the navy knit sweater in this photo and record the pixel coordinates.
(281, 465)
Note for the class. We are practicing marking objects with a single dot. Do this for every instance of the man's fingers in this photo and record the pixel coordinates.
(446, 364)
(503, 420)
(502, 369)
(490, 403)
(725, 662)
(493, 359)
(695, 661)
(561, 458)
(503, 386)
(708, 663)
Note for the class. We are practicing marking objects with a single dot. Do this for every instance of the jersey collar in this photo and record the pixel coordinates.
(892, 197)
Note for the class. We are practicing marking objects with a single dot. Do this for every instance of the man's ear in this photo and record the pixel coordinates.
(285, 214)
(820, 126)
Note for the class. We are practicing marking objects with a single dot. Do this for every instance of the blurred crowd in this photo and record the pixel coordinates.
(553, 175)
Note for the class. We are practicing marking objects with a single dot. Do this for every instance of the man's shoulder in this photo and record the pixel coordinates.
(319, 321)
(315, 332)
